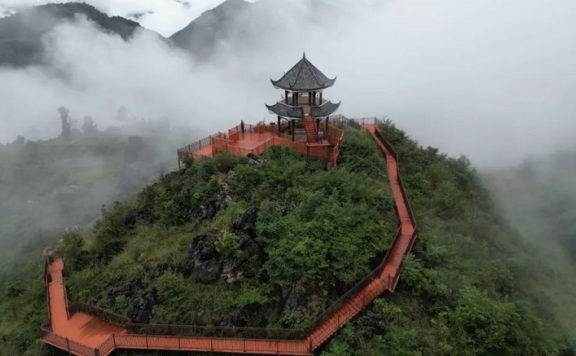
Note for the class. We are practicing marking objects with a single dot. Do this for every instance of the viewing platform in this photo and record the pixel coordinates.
(255, 139)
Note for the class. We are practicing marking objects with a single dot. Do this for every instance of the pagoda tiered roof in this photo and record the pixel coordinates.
(286, 110)
(324, 110)
(304, 77)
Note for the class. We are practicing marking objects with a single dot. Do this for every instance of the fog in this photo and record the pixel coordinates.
(164, 17)
(487, 79)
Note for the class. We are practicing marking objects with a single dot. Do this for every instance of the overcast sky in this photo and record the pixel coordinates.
(163, 16)
(491, 79)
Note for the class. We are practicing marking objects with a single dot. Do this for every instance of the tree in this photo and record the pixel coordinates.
(72, 250)
(20, 141)
(88, 125)
(122, 114)
(65, 122)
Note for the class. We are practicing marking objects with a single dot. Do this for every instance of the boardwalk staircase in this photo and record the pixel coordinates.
(89, 331)
(311, 129)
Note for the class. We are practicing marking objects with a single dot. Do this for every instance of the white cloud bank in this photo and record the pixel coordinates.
(490, 79)
(162, 16)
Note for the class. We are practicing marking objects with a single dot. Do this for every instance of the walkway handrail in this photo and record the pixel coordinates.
(340, 302)
(260, 340)
(66, 344)
(188, 149)
(111, 317)
(47, 283)
(216, 331)
(400, 182)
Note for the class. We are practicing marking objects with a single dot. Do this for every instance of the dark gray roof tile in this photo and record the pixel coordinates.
(325, 110)
(286, 110)
(304, 76)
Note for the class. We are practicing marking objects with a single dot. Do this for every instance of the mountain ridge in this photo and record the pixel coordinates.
(21, 33)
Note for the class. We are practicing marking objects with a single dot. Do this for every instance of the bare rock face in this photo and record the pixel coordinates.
(129, 290)
(143, 307)
(203, 259)
(208, 210)
(293, 298)
(256, 161)
(209, 266)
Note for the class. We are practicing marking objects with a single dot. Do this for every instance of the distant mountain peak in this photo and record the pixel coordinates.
(21, 33)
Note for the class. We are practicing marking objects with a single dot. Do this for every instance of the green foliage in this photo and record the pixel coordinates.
(21, 34)
(71, 247)
(317, 231)
(460, 292)
(227, 245)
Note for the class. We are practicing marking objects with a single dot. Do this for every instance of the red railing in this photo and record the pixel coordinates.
(47, 283)
(348, 311)
(217, 331)
(227, 142)
(255, 340)
(100, 313)
(108, 346)
(66, 344)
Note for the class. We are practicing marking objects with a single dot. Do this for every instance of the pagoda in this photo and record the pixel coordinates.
(303, 106)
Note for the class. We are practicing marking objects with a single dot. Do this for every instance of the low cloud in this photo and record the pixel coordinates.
(487, 79)
(164, 17)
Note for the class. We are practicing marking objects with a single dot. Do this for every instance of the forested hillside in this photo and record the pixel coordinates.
(539, 198)
(21, 33)
(47, 187)
(271, 241)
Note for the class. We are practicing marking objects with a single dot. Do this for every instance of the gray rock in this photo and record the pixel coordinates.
(256, 161)
(143, 307)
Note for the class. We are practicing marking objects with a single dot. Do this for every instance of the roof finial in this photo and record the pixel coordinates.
(304, 56)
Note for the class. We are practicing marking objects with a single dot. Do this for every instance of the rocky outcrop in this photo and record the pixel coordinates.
(129, 290)
(208, 265)
(208, 210)
(256, 161)
(143, 307)
(293, 298)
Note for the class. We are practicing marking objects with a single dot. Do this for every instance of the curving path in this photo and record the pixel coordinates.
(85, 335)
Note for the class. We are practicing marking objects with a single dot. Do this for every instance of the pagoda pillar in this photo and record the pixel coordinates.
(279, 125)
(320, 98)
(286, 96)
(293, 130)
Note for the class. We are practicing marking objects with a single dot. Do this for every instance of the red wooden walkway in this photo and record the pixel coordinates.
(85, 335)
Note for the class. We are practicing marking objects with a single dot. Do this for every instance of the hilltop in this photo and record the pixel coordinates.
(237, 241)
(231, 22)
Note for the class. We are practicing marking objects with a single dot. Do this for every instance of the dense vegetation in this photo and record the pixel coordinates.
(539, 198)
(62, 183)
(467, 287)
(272, 241)
(48, 187)
(21, 34)
(237, 241)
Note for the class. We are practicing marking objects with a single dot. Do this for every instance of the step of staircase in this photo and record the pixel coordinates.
(311, 133)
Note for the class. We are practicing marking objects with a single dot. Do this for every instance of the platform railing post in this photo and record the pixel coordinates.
(114, 339)
(146, 337)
